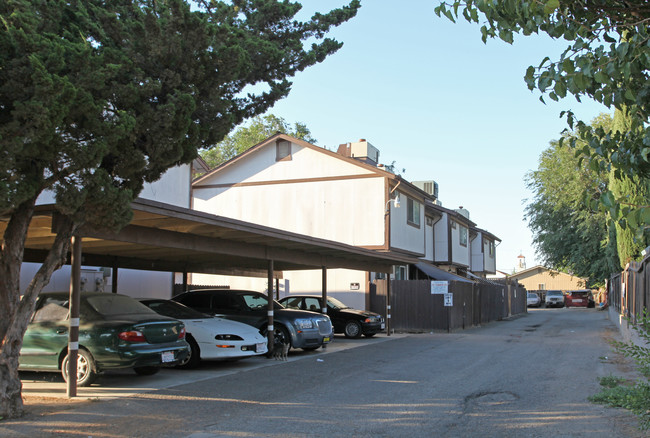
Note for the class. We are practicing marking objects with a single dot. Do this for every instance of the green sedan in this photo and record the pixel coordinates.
(115, 331)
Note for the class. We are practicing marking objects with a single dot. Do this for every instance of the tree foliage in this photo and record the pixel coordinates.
(98, 97)
(607, 59)
(258, 130)
(570, 231)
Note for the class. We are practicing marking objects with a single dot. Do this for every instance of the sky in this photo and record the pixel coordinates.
(441, 104)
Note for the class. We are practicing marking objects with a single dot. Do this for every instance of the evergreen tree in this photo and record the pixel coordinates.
(98, 97)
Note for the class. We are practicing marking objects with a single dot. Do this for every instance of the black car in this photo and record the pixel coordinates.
(351, 322)
(306, 330)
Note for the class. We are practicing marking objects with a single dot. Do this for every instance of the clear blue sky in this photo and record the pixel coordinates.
(441, 104)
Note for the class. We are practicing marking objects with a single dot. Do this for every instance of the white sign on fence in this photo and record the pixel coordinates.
(439, 287)
(449, 300)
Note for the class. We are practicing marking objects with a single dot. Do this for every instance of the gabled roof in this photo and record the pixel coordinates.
(486, 233)
(398, 180)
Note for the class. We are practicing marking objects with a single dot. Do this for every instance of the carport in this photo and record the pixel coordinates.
(163, 237)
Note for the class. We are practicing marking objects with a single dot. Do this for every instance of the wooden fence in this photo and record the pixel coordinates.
(629, 291)
(415, 309)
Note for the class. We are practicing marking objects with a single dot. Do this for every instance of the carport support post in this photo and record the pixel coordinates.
(324, 287)
(73, 333)
(388, 324)
(270, 308)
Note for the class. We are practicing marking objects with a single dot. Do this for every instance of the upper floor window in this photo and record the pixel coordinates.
(413, 212)
(491, 249)
(462, 233)
(282, 150)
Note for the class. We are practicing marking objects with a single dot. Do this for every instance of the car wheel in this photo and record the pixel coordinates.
(86, 373)
(352, 329)
(280, 335)
(194, 358)
(146, 371)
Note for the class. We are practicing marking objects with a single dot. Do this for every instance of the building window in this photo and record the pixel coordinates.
(400, 273)
(283, 150)
(541, 286)
(463, 235)
(491, 249)
(413, 212)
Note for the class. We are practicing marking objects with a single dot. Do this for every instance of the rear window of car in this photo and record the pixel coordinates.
(111, 304)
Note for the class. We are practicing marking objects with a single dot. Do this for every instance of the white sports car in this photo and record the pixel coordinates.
(211, 337)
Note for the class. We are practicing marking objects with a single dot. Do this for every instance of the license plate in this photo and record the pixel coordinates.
(577, 301)
(383, 326)
(167, 356)
(260, 347)
(326, 339)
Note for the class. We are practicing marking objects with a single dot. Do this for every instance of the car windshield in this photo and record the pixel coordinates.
(336, 304)
(554, 292)
(111, 304)
(532, 295)
(174, 310)
(259, 301)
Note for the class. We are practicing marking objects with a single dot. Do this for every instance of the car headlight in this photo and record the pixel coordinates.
(303, 324)
(228, 338)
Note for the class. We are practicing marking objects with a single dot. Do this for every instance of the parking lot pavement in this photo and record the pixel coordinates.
(125, 383)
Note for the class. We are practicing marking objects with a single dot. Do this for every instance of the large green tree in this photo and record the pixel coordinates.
(98, 97)
(607, 59)
(259, 129)
(570, 231)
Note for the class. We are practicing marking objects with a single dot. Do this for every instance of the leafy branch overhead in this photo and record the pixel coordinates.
(607, 59)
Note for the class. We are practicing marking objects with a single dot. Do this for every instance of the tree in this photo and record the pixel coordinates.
(631, 191)
(98, 97)
(570, 231)
(607, 60)
(259, 129)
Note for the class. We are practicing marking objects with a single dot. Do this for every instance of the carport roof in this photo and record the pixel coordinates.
(163, 237)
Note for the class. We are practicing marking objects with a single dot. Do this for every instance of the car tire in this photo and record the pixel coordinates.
(352, 329)
(280, 335)
(86, 372)
(194, 358)
(146, 371)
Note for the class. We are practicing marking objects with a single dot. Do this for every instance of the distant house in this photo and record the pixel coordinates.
(541, 278)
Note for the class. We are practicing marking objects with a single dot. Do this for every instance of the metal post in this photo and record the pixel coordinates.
(388, 323)
(270, 328)
(114, 282)
(73, 334)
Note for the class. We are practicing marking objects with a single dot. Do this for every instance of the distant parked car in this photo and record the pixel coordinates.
(534, 300)
(554, 298)
(351, 322)
(115, 331)
(211, 337)
(579, 298)
(301, 329)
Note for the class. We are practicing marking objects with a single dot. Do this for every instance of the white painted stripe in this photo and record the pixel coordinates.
(74, 322)
(388, 307)
(270, 328)
(73, 345)
(324, 309)
(388, 316)
(269, 313)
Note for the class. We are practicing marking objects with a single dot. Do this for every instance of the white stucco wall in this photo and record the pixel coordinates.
(340, 284)
(172, 188)
(138, 284)
(441, 237)
(477, 254)
(404, 235)
(428, 241)
(312, 194)
(459, 253)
